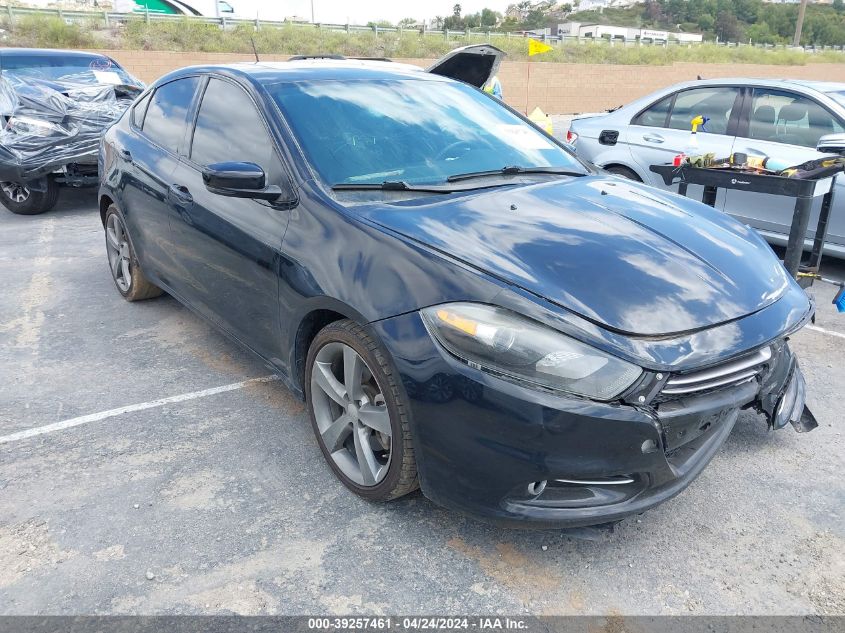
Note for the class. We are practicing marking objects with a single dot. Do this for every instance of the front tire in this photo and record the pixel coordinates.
(123, 263)
(22, 198)
(358, 412)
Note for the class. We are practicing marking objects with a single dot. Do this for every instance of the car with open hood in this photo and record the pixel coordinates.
(465, 306)
(54, 105)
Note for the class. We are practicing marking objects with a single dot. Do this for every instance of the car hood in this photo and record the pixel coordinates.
(625, 256)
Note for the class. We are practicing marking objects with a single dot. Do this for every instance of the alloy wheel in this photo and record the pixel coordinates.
(15, 191)
(351, 414)
(117, 245)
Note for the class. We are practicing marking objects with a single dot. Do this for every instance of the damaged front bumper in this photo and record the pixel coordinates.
(789, 406)
(513, 455)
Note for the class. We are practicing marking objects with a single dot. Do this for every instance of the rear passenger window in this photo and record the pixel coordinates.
(715, 103)
(139, 110)
(786, 117)
(655, 116)
(165, 117)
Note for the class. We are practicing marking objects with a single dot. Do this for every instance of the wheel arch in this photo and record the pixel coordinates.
(318, 315)
(105, 203)
(616, 163)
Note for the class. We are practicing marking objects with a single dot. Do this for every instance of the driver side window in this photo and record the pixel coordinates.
(221, 137)
(786, 117)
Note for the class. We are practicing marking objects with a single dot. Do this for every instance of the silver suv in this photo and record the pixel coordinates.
(790, 121)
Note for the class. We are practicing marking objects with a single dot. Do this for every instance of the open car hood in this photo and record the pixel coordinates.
(620, 254)
(474, 64)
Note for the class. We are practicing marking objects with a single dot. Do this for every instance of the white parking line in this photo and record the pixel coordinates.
(102, 415)
(816, 328)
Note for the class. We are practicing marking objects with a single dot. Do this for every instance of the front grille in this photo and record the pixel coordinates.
(725, 375)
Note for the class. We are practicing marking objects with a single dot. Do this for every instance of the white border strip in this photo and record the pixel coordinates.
(816, 328)
(102, 415)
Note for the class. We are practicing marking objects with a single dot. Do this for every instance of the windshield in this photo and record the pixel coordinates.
(417, 131)
(68, 68)
(839, 97)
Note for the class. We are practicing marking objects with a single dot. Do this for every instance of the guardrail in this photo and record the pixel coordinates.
(108, 18)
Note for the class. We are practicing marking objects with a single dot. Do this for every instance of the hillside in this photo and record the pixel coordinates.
(731, 20)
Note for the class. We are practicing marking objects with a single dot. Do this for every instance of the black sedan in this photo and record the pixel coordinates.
(465, 306)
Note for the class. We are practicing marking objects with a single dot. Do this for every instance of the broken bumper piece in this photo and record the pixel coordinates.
(791, 407)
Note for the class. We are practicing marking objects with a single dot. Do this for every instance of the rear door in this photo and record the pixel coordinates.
(661, 131)
(786, 127)
(474, 64)
(149, 155)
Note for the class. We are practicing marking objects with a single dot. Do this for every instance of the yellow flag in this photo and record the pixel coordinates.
(535, 47)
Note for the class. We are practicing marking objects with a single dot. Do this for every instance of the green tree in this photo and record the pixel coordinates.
(490, 18)
(728, 28)
(706, 22)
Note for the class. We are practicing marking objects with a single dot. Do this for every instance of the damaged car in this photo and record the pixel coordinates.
(465, 306)
(54, 106)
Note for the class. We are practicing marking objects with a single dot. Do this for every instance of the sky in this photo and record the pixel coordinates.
(360, 11)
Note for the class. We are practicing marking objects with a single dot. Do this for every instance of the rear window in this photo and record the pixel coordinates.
(71, 68)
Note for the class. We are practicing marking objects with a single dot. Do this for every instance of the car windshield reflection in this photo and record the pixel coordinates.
(416, 131)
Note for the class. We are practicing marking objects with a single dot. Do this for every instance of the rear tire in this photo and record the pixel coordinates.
(123, 263)
(351, 392)
(20, 198)
(619, 170)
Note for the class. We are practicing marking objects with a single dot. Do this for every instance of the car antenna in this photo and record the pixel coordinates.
(254, 50)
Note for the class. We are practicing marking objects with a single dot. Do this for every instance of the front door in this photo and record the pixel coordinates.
(786, 127)
(229, 247)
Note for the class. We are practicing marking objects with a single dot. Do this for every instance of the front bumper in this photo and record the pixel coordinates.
(516, 456)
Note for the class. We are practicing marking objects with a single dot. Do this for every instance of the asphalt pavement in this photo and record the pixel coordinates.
(217, 500)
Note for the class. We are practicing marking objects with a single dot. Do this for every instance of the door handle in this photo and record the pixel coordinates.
(652, 138)
(180, 195)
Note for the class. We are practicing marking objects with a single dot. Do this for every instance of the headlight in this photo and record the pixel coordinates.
(503, 342)
(36, 127)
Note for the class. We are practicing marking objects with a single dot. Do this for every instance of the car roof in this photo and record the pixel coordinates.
(820, 86)
(313, 69)
(48, 52)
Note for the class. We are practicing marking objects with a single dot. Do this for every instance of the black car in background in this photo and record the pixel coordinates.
(54, 106)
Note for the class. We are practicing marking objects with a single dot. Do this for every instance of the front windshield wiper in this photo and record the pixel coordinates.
(387, 185)
(515, 169)
(399, 185)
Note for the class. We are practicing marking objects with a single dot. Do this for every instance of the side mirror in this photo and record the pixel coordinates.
(239, 180)
(831, 144)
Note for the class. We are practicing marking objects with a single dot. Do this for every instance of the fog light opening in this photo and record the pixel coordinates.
(536, 488)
